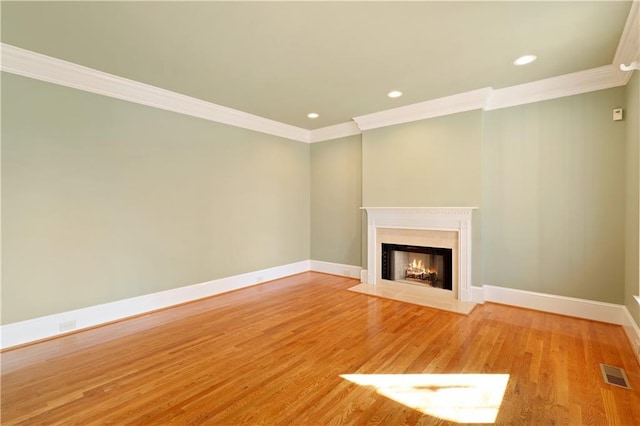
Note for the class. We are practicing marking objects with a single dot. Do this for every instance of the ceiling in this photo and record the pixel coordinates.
(282, 60)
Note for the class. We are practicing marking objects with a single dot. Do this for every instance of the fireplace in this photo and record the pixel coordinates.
(421, 247)
(428, 266)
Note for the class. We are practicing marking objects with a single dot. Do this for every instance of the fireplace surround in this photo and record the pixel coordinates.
(437, 227)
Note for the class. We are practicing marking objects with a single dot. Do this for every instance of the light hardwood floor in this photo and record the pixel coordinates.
(293, 351)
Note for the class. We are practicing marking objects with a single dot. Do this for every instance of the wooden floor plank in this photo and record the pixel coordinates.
(275, 354)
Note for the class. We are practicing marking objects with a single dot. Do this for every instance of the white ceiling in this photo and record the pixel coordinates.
(281, 60)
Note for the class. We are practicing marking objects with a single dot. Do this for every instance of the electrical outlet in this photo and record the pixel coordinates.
(67, 325)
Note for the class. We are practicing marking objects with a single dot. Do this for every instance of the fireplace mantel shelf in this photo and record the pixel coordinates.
(433, 212)
(419, 208)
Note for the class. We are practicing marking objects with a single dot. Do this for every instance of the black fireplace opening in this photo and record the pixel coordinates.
(430, 266)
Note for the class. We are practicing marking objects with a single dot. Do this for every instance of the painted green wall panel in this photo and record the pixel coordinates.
(632, 230)
(433, 162)
(336, 198)
(553, 197)
(105, 199)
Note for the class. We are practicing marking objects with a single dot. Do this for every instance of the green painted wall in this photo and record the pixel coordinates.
(336, 198)
(432, 162)
(104, 199)
(553, 198)
(632, 231)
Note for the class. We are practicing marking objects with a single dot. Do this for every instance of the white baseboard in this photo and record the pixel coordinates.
(336, 269)
(364, 276)
(633, 332)
(570, 306)
(477, 294)
(49, 326)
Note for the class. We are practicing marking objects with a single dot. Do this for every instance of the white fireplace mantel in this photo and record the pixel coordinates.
(457, 219)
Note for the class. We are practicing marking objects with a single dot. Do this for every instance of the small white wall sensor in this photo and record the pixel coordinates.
(617, 114)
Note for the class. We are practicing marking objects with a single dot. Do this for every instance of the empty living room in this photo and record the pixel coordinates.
(316, 212)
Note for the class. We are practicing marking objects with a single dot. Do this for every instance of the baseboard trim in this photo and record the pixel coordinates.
(563, 305)
(633, 332)
(336, 269)
(477, 294)
(22, 332)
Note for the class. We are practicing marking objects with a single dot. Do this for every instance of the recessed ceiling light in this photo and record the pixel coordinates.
(313, 115)
(524, 60)
(394, 94)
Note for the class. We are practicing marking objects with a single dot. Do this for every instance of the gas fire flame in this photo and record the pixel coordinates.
(417, 270)
(418, 267)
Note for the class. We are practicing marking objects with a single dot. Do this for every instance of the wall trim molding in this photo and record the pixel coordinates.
(561, 86)
(349, 271)
(629, 45)
(32, 330)
(34, 65)
(341, 130)
(633, 332)
(461, 102)
(562, 305)
(477, 294)
(22, 332)
(42, 67)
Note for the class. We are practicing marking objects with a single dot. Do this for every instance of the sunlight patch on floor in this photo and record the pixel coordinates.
(461, 398)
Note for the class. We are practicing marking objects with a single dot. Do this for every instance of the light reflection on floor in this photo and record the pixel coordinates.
(417, 294)
(461, 398)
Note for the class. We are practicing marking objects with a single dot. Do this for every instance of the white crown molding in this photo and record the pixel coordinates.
(575, 83)
(447, 105)
(629, 45)
(341, 130)
(41, 67)
(590, 80)
(34, 65)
